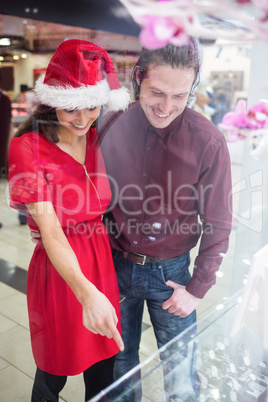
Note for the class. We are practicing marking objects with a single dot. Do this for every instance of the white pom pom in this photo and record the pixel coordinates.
(118, 99)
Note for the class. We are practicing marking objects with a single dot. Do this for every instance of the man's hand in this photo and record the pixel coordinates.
(181, 303)
(35, 236)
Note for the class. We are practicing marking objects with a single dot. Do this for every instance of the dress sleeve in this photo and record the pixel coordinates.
(26, 176)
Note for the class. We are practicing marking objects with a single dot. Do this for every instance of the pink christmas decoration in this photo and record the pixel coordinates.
(239, 122)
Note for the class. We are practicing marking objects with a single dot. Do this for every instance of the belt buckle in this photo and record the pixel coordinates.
(144, 259)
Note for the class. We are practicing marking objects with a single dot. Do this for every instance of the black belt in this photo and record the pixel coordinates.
(140, 258)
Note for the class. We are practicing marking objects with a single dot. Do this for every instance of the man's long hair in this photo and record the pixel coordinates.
(182, 57)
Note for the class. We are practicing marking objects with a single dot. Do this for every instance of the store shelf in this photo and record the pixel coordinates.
(20, 113)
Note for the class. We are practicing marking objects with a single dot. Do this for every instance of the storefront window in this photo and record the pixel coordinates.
(218, 354)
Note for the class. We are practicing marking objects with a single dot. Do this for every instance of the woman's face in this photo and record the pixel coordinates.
(77, 122)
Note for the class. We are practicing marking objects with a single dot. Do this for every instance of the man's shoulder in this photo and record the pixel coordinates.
(112, 116)
(201, 125)
(197, 119)
(112, 121)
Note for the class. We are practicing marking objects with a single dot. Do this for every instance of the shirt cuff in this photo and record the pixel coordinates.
(197, 289)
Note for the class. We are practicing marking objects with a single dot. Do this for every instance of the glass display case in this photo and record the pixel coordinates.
(228, 350)
(224, 357)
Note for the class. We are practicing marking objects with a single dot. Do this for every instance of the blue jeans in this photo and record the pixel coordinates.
(138, 283)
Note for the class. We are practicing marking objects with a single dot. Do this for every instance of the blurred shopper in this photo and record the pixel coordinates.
(5, 130)
(203, 102)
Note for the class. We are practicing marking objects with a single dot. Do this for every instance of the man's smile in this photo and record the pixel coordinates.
(162, 116)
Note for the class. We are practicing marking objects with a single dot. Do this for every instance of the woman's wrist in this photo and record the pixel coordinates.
(85, 291)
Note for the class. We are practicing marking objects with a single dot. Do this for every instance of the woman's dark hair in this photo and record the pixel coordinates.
(43, 120)
(183, 57)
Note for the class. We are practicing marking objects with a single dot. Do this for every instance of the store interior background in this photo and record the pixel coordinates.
(236, 69)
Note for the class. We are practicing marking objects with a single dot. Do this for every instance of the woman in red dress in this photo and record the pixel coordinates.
(56, 173)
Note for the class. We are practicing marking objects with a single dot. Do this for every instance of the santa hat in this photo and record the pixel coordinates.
(75, 79)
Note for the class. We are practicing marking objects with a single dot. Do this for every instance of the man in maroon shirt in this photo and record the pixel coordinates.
(169, 170)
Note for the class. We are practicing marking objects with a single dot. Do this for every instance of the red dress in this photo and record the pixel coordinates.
(40, 171)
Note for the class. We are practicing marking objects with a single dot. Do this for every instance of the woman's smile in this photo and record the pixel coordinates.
(79, 127)
(78, 121)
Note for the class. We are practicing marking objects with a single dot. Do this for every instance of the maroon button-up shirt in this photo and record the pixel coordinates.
(169, 187)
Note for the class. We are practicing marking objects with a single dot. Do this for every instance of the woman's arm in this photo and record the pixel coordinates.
(99, 315)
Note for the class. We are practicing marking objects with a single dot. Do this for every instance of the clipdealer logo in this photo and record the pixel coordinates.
(153, 199)
(248, 197)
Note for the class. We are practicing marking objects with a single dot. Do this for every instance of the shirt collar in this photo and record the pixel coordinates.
(143, 119)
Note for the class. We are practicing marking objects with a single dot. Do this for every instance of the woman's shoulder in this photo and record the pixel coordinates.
(30, 138)
(26, 138)
(30, 143)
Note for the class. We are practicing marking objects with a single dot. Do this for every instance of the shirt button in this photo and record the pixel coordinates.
(144, 174)
(135, 242)
(149, 148)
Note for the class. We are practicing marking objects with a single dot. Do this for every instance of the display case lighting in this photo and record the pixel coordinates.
(5, 42)
(246, 261)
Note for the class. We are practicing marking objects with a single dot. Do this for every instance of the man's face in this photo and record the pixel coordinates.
(164, 93)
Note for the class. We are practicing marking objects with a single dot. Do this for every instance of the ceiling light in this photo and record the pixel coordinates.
(5, 41)
(1, 58)
(16, 57)
(23, 56)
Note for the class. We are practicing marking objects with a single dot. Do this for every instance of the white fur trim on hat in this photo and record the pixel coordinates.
(118, 99)
(68, 97)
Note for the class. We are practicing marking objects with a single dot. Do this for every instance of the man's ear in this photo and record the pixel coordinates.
(137, 76)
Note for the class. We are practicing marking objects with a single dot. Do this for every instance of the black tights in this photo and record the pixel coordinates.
(47, 386)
